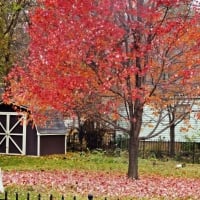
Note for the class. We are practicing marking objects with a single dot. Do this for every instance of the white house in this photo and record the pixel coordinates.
(183, 130)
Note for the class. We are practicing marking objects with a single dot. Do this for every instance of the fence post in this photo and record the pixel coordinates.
(51, 197)
(143, 149)
(6, 195)
(62, 198)
(28, 196)
(193, 152)
(90, 197)
(16, 196)
(39, 197)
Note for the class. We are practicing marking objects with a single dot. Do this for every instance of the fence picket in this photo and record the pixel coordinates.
(28, 196)
(90, 197)
(6, 195)
(16, 196)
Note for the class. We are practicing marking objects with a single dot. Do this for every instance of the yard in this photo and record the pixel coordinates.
(77, 174)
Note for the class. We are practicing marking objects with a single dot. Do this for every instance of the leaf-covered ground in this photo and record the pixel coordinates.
(105, 184)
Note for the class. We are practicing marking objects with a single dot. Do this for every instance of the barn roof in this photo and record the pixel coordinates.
(53, 127)
(1, 91)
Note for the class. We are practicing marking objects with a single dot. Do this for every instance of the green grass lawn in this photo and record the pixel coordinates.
(90, 162)
(97, 162)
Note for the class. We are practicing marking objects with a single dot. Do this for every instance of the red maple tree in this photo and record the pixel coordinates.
(115, 51)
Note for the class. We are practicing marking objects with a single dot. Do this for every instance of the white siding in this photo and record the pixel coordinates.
(191, 130)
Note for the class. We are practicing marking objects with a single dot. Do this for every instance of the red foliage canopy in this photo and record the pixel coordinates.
(82, 47)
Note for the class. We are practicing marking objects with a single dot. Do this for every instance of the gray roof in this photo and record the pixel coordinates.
(53, 127)
(1, 91)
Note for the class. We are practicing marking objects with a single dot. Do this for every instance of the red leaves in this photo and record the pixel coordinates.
(77, 47)
(105, 184)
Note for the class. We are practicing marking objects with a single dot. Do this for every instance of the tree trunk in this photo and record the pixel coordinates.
(172, 141)
(135, 124)
(133, 158)
(136, 105)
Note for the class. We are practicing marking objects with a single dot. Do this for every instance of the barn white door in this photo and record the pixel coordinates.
(13, 132)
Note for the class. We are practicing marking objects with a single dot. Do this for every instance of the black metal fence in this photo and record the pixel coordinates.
(39, 197)
(184, 150)
(187, 151)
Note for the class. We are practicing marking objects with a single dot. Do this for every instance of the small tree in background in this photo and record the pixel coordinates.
(13, 37)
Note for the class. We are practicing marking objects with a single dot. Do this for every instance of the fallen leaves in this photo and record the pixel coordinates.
(105, 184)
